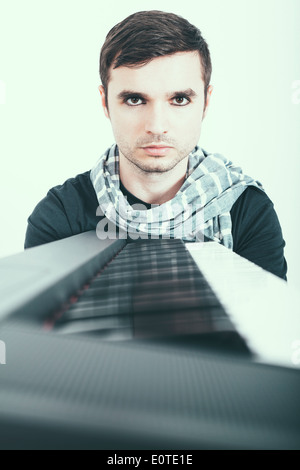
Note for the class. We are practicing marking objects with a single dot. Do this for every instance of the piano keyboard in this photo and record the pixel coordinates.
(195, 293)
(151, 289)
(104, 348)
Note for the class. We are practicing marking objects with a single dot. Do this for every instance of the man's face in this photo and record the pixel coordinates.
(156, 110)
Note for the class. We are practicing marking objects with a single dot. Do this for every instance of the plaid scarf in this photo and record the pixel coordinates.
(199, 211)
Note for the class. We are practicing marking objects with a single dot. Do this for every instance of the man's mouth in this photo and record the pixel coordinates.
(159, 150)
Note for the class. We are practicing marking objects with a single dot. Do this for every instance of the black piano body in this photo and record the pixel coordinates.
(145, 375)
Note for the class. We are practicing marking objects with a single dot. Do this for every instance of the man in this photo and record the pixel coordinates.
(155, 70)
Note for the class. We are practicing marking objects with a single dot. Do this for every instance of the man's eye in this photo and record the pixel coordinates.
(134, 101)
(181, 101)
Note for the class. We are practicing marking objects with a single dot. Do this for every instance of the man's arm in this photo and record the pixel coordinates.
(256, 231)
(47, 223)
(67, 210)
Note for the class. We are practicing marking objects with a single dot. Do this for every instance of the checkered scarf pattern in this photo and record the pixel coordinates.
(199, 211)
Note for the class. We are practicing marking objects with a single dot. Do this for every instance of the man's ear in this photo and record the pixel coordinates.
(103, 100)
(208, 96)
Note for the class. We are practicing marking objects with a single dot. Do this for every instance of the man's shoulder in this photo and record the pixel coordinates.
(252, 206)
(253, 199)
(67, 209)
(80, 184)
(76, 196)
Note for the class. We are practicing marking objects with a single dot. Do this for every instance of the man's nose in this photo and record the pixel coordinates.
(156, 120)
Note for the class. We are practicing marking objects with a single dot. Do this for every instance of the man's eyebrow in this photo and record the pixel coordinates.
(127, 93)
(189, 93)
(124, 94)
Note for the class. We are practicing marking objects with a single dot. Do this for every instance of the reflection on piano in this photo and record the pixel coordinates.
(153, 344)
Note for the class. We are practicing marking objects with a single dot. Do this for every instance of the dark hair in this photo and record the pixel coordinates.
(145, 35)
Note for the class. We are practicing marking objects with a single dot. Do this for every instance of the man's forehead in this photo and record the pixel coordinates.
(181, 70)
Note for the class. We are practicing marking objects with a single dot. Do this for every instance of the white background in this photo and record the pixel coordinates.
(52, 125)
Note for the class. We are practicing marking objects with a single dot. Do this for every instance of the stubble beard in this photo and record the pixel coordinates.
(154, 164)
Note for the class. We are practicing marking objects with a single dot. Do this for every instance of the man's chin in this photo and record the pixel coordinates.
(154, 163)
(156, 167)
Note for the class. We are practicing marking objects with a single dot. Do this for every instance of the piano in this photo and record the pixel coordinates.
(147, 344)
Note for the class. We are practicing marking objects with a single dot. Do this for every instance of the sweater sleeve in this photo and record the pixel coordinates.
(256, 231)
(67, 210)
(48, 222)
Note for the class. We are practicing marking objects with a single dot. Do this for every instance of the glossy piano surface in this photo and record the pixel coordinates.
(135, 374)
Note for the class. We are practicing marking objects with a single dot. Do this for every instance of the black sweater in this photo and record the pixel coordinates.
(70, 209)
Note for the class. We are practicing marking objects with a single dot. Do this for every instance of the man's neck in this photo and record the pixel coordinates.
(152, 187)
